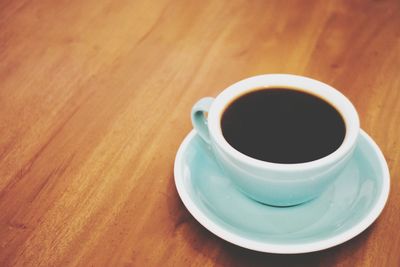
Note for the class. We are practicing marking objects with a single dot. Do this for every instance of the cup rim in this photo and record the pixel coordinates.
(301, 83)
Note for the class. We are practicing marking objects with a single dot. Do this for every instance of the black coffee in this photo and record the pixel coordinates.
(282, 125)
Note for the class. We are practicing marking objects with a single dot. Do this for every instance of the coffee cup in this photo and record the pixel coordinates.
(277, 182)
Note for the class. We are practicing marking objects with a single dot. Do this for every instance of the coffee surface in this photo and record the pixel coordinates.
(282, 125)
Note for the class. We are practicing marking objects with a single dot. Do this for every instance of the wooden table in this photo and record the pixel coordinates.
(95, 99)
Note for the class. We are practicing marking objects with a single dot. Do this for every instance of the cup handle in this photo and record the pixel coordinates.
(199, 120)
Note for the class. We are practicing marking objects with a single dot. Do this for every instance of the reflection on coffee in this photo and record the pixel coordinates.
(282, 125)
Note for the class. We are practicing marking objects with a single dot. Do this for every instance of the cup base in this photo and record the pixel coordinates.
(343, 211)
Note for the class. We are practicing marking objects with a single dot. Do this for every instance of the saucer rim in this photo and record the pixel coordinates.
(270, 247)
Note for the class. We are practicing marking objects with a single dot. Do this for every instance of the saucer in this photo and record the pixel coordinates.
(344, 210)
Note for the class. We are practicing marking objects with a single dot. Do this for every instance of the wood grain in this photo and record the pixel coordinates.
(95, 99)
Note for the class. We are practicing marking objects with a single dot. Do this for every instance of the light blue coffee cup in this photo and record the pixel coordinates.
(275, 183)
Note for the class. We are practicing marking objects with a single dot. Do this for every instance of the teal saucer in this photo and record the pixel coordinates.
(343, 211)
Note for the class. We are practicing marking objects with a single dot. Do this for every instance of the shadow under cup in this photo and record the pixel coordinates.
(258, 129)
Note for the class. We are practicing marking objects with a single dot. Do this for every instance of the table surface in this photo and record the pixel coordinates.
(95, 99)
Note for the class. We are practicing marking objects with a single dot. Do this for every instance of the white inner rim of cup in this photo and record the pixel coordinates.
(300, 83)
